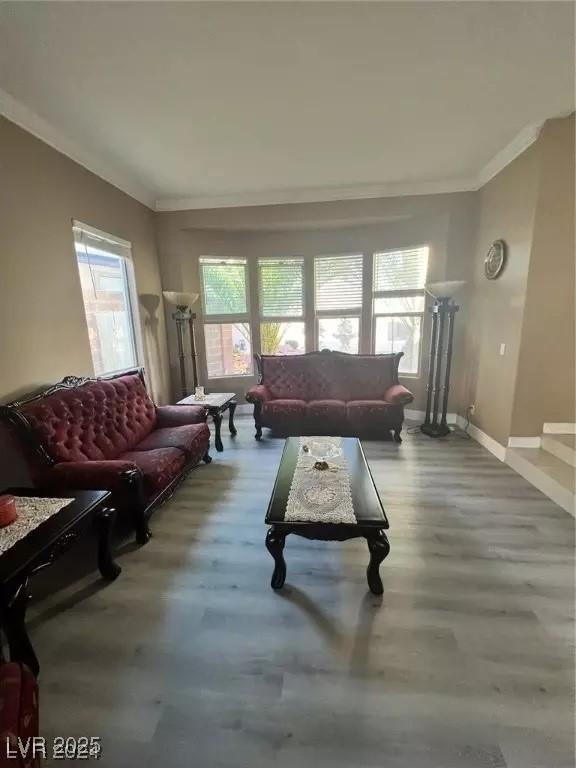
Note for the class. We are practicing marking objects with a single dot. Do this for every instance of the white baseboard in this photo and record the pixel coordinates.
(485, 440)
(524, 442)
(559, 429)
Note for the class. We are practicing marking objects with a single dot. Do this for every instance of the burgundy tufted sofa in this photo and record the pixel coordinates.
(107, 434)
(329, 393)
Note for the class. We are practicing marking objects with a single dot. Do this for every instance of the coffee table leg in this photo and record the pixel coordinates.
(109, 569)
(14, 626)
(275, 545)
(217, 419)
(231, 410)
(379, 548)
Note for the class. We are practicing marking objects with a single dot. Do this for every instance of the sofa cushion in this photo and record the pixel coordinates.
(159, 467)
(284, 409)
(363, 377)
(371, 414)
(327, 409)
(192, 439)
(97, 420)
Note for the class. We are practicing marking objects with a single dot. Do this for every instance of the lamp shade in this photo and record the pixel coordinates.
(446, 289)
(180, 299)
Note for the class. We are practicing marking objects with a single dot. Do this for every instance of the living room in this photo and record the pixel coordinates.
(343, 234)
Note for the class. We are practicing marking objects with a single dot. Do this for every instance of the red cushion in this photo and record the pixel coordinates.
(289, 377)
(185, 438)
(365, 414)
(327, 409)
(285, 409)
(98, 420)
(159, 467)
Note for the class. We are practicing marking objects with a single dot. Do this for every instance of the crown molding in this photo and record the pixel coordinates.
(30, 121)
(316, 195)
(510, 152)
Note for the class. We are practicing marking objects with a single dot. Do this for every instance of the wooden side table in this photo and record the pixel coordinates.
(39, 548)
(216, 404)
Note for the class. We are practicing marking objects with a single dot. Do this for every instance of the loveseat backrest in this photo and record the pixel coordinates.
(98, 419)
(329, 376)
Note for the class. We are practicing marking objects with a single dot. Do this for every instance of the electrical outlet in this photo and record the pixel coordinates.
(472, 409)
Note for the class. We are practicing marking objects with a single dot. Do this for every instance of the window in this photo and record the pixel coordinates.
(281, 298)
(106, 279)
(338, 302)
(226, 317)
(398, 305)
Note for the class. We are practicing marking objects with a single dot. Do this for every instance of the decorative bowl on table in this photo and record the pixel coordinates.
(322, 449)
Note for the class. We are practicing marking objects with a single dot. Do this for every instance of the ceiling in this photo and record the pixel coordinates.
(193, 105)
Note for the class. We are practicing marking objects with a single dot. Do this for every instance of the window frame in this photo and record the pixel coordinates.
(337, 314)
(85, 235)
(400, 293)
(227, 319)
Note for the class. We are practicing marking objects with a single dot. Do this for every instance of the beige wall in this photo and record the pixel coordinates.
(546, 368)
(445, 222)
(530, 307)
(43, 333)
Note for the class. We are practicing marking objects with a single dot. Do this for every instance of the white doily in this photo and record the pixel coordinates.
(320, 496)
(32, 511)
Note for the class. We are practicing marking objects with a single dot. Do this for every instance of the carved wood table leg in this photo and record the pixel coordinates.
(109, 569)
(217, 418)
(231, 411)
(14, 626)
(379, 548)
(275, 545)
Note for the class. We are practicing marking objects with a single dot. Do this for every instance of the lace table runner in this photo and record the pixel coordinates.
(320, 496)
(32, 511)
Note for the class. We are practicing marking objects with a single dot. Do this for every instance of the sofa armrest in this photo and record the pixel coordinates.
(179, 415)
(110, 475)
(397, 394)
(258, 394)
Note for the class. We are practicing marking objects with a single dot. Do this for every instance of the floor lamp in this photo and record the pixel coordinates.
(441, 345)
(184, 317)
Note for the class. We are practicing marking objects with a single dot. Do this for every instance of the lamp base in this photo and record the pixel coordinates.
(435, 430)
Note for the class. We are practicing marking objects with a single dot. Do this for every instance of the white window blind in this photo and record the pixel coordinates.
(281, 285)
(403, 270)
(338, 283)
(224, 286)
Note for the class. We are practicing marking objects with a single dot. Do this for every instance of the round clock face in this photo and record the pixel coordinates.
(495, 259)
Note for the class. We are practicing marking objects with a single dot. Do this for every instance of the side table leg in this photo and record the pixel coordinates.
(379, 548)
(217, 419)
(231, 411)
(14, 627)
(275, 545)
(109, 569)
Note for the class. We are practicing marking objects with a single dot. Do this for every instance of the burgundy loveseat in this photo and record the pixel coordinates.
(107, 434)
(329, 393)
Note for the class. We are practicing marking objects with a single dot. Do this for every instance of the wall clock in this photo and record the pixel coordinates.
(495, 259)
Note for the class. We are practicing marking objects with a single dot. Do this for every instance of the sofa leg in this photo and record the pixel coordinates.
(143, 532)
(257, 422)
(397, 437)
(206, 458)
(258, 434)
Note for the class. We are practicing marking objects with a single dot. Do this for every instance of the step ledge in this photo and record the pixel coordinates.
(552, 445)
(524, 442)
(542, 481)
(558, 428)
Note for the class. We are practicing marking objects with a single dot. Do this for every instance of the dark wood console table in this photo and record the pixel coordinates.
(40, 548)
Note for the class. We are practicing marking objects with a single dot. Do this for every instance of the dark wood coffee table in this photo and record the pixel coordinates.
(215, 404)
(371, 520)
(40, 548)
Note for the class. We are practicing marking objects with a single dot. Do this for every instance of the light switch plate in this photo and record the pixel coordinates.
(502, 349)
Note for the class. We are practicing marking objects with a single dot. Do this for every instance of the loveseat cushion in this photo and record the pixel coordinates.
(192, 439)
(370, 414)
(327, 409)
(363, 377)
(295, 377)
(284, 410)
(95, 421)
(159, 467)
